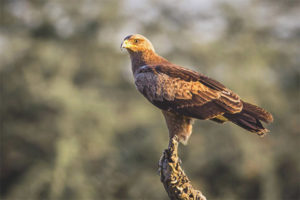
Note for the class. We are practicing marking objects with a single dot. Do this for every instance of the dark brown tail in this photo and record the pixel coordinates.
(249, 118)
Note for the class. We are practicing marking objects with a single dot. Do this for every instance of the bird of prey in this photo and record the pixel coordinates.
(184, 95)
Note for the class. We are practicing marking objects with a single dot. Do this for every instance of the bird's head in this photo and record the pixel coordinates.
(137, 43)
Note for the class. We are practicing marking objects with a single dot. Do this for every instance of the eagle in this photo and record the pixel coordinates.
(184, 95)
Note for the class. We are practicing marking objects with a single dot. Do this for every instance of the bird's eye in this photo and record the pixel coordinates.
(136, 41)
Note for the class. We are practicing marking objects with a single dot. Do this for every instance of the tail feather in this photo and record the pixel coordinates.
(258, 112)
(249, 118)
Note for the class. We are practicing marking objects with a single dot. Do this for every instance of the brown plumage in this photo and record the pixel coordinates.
(184, 95)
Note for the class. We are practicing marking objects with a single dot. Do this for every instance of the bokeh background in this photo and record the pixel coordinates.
(73, 125)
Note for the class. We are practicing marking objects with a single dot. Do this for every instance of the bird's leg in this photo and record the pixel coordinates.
(178, 125)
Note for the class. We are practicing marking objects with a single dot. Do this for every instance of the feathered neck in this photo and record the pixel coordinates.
(147, 57)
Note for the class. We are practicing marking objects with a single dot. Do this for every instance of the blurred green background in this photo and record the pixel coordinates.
(73, 126)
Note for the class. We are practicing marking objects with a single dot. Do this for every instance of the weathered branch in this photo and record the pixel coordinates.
(175, 181)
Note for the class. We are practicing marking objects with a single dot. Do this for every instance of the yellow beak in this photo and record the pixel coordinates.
(125, 44)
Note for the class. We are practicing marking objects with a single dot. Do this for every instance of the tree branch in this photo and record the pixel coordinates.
(175, 181)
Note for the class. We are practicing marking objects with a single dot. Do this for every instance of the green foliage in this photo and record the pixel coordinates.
(73, 125)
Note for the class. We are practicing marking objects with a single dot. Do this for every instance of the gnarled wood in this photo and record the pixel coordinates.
(175, 181)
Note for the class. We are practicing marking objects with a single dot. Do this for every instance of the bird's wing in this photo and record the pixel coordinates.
(186, 92)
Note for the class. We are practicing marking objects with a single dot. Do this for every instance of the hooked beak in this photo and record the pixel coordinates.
(125, 44)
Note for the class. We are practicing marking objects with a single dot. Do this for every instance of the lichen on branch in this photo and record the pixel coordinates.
(176, 183)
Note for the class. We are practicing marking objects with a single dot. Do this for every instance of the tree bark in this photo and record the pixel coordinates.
(176, 183)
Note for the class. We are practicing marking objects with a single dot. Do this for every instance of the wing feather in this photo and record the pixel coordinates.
(186, 92)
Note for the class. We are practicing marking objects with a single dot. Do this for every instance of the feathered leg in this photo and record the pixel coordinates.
(179, 125)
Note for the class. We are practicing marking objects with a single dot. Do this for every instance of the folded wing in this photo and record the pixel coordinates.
(186, 92)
